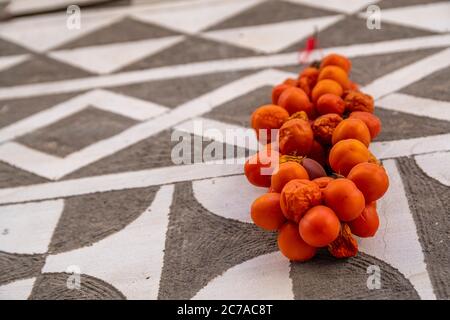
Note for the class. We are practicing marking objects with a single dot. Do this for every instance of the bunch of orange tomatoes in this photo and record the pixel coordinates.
(322, 180)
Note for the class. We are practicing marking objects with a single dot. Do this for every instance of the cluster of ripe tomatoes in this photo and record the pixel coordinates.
(322, 180)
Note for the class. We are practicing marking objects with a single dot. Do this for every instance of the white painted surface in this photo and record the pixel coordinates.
(55, 168)
(217, 131)
(126, 106)
(19, 7)
(263, 277)
(131, 260)
(11, 61)
(432, 16)
(411, 73)
(44, 34)
(109, 58)
(235, 205)
(436, 165)
(344, 6)
(118, 181)
(273, 37)
(408, 147)
(17, 290)
(415, 105)
(207, 67)
(109, 101)
(196, 16)
(397, 241)
(28, 228)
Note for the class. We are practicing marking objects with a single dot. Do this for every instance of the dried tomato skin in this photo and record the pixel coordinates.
(297, 197)
(358, 101)
(324, 126)
(345, 245)
(295, 137)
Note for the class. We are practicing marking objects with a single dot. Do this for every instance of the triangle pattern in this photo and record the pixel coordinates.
(239, 110)
(193, 49)
(155, 152)
(353, 30)
(435, 86)
(125, 30)
(271, 12)
(272, 38)
(41, 35)
(400, 125)
(195, 17)
(8, 48)
(111, 57)
(432, 17)
(39, 69)
(11, 177)
(337, 5)
(366, 69)
(388, 4)
(8, 62)
(173, 92)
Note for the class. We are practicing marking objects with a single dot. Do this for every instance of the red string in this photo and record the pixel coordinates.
(311, 45)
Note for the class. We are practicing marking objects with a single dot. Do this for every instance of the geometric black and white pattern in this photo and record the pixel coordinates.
(86, 177)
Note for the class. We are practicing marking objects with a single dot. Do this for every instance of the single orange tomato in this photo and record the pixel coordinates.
(294, 100)
(335, 73)
(292, 246)
(295, 137)
(266, 212)
(319, 226)
(286, 172)
(351, 129)
(257, 168)
(330, 103)
(266, 118)
(346, 154)
(366, 225)
(277, 91)
(372, 121)
(371, 179)
(344, 198)
(326, 86)
(310, 73)
(334, 59)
